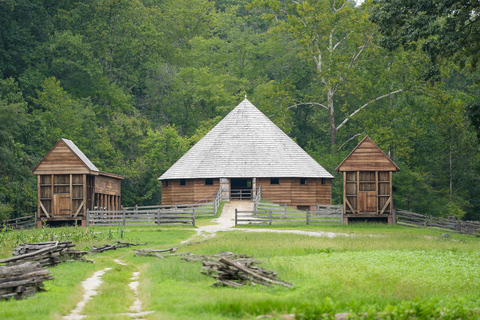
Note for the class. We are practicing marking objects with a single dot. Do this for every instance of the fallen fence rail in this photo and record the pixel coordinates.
(19, 223)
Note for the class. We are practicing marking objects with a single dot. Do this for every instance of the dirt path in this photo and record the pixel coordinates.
(90, 287)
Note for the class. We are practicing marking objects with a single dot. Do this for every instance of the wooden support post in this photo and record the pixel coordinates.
(124, 215)
(235, 217)
(270, 215)
(39, 194)
(88, 217)
(307, 216)
(84, 193)
(71, 195)
(52, 202)
(391, 192)
(358, 192)
(193, 217)
(376, 193)
(285, 206)
(344, 193)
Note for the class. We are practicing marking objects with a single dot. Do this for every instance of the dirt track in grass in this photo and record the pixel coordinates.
(226, 222)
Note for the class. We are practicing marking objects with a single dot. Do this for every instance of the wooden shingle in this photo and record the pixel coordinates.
(245, 144)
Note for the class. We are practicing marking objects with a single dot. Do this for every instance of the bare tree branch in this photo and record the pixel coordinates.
(308, 103)
(356, 135)
(365, 105)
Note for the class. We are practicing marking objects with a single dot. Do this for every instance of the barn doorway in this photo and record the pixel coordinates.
(241, 189)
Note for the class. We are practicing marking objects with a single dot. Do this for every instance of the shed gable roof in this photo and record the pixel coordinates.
(65, 157)
(367, 156)
(245, 144)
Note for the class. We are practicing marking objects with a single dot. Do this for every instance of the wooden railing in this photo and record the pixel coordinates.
(201, 209)
(258, 196)
(241, 194)
(277, 214)
(19, 223)
(412, 219)
(142, 216)
(216, 201)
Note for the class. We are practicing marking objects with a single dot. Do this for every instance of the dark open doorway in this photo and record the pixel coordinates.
(241, 189)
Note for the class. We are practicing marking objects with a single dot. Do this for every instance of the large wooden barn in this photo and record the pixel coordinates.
(242, 152)
(69, 184)
(367, 183)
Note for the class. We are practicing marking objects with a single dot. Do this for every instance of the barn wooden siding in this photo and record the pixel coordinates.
(367, 182)
(193, 191)
(291, 192)
(68, 184)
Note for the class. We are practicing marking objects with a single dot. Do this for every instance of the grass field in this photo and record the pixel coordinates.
(372, 271)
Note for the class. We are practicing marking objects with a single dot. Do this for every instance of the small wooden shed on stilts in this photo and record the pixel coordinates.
(69, 184)
(367, 184)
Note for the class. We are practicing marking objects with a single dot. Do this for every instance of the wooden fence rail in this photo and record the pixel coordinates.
(285, 217)
(19, 223)
(412, 219)
(141, 217)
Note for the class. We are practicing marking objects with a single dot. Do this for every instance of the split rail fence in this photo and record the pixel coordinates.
(452, 224)
(264, 213)
(157, 215)
(19, 223)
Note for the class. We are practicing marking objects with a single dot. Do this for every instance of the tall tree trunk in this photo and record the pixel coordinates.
(331, 116)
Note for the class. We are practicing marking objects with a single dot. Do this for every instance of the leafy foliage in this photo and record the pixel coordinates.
(136, 83)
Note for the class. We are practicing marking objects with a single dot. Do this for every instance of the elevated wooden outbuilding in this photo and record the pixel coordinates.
(242, 152)
(69, 184)
(367, 183)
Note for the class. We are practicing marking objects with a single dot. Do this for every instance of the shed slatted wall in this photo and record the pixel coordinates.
(367, 157)
(61, 160)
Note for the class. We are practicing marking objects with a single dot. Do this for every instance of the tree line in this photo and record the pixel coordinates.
(135, 83)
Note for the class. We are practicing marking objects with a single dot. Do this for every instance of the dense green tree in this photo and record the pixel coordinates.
(442, 28)
(17, 194)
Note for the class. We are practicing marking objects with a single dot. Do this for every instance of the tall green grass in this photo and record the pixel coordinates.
(372, 272)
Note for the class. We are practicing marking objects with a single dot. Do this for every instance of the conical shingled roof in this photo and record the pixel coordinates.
(245, 144)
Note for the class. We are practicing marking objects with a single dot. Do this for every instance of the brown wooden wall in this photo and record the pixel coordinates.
(61, 160)
(367, 157)
(108, 185)
(291, 192)
(70, 195)
(65, 198)
(368, 192)
(194, 190)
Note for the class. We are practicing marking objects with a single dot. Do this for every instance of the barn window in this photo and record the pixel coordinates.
(323, 181)
(303, 181)
(166, 183)
(182, 182)
(274, 181)
(209, 182)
